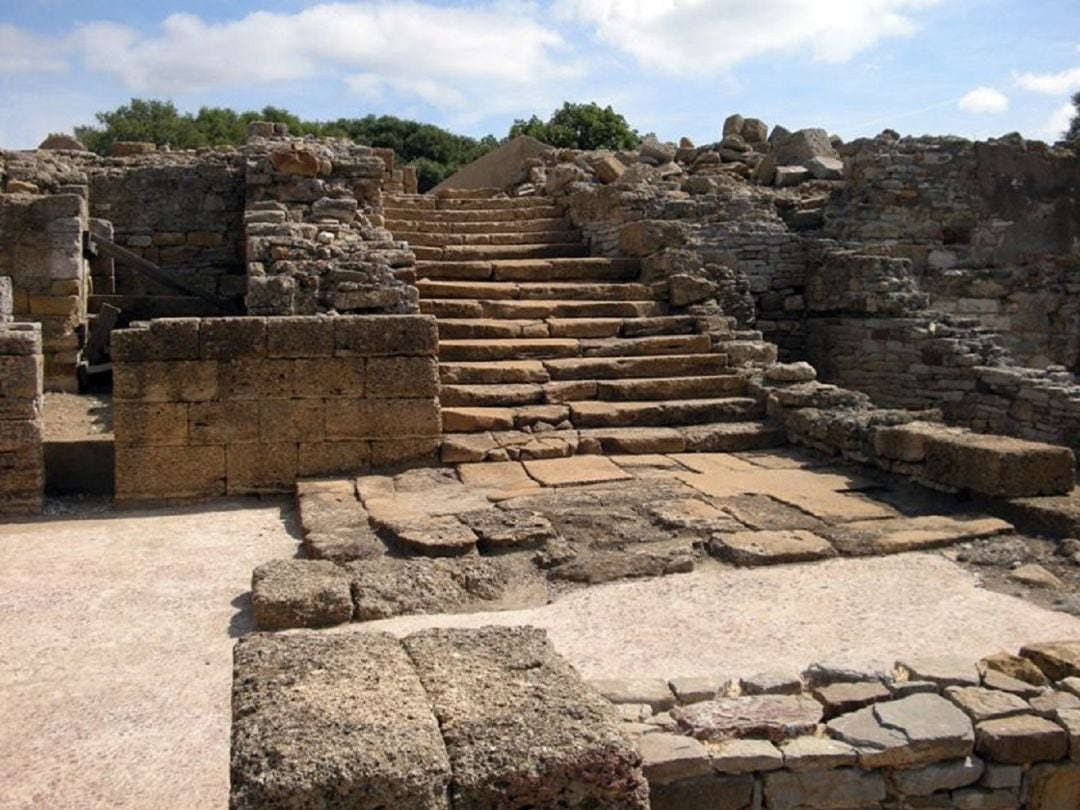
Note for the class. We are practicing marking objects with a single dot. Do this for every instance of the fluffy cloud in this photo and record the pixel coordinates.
(984, 100)
(1058, 122)
(696, 36)
(1050, 84)
(23, 53)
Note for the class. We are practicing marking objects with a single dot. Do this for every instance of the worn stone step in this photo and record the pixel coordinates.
(610, 368)
(632, 440)
(538, 309)
(493, 226)
(652, 345)
(574, 269)
(502, 395)
(501, 371)
(660, 388)
(665, 413)
(733, 437)
(547, 211)
(529, 290)
(474, 328)
(508, 349)
(466, 253)
(476, 420)
(504, 237)
(440, 202)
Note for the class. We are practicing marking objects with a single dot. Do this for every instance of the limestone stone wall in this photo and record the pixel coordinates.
(22, 467)
(216, 406)
(314, 235)
(41, 250)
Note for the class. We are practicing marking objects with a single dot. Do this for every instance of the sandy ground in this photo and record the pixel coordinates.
(116, 637)
(116, 634)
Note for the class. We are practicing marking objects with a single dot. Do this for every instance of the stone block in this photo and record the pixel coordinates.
(21, 376)
(300, 593)
(392, 452)
(381, 419)
(164, 473)
(333, 721)
(160, 381)
(300, 336)
(333, 458)
(258, 468)
(382, 335)
(999, 466)
(222, 423)
(715, 792)
(150, 423)
(330, 377)
(290, 420)
(404, 377)
(257, 379)
(521, 728)
(1054, 787)
(770, 717)
(653, 692)
(1021, 739)
(746, 756)
(20, 339)
(817, 754)
(1057, 659)
(232, 338)
(941, 776)
(667, 758)
(839, 788)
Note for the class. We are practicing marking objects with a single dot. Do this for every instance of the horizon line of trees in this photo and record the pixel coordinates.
(436, 153)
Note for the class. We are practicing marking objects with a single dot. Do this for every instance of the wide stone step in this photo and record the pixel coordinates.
(543, 211)
(538, 309)
(532, 290)
(475, 328)
(491, 226)
(502, 395)
(424, 202)
(661, 388)
(664, 413)
(508, 349)
(504, 237)
(579, 269)
(464, 328)
(467, 253)
(502, 371)
(611, 368)
(652, 345)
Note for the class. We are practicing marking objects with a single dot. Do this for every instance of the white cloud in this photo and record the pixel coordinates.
(984, 100)
(1050, 84)
(24, 53)
(1058, 122)
(709, 36)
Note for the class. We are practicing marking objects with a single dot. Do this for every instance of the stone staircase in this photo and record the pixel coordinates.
(545, 351)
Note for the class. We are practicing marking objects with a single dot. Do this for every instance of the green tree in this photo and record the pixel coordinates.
(580, 126)
(1073, 132)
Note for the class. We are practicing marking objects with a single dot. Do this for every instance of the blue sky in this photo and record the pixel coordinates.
(976, 68)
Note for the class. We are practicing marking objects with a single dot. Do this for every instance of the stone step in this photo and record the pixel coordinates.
(465, 328)
(467, 253)
(545, 211)
(504, 237)
(651, 345)
(664, 413)
(491, 226)
(572, 269)
(611, 368)
(466, 193)
(539, 309)
(501, 371)
(661, 388)
(532, 290)
(485, 396)
(508, 349)
(475, 328)
(440, 203)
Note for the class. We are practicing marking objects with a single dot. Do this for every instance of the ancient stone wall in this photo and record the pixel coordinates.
(315, 241)
(22, 467)
(215, 406)
(41, 250)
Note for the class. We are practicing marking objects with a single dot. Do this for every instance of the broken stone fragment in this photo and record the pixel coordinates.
(770, 717)
(770, 547)
(440, 536)
(791, 372)
(509, 529)
(667, 758)
(654, 692)
(746, 756)
(826, 168)
(394, 587)
(841, 698)
(1057, 660)
(1015, 666)
(1021, 739)
(300, 593)
(986, 704)
(944, 670)
(1034, 575)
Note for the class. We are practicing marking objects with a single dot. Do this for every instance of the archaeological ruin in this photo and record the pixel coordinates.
(560, 376)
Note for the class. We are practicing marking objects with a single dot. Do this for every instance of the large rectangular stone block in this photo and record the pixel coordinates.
(161, 381)
(164, 473)
(520, 726)
(300, 336)
(380, 335)
(21, 376)
(392, 452)
(150, 423)
(333, 458)
(232, 338)
(999, 466)
(328, 377)
(257, 379)
(291, 420)
(257, 468)
(222, 423)
(405, 377)
(333, 721)
(20, 339)
(162, 339)
(381, 418)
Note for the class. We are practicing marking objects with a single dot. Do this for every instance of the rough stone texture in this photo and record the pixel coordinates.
(838, 789)
(942, 776)
(520, 726)
(300, 593)
(1054, 787)
(944, 670)
(1021, 739)
(771, 717)
(654, 693)
(721, 792)
(770, 548)
(986, 704)
(667, 758)
(1057, 660)
(392, 587)
(817, 754)
(333, 721)
(22, 464)
(746, 756)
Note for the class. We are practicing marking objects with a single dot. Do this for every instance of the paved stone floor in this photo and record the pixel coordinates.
(117, 628)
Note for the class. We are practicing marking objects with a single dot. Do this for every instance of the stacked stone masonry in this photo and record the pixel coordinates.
(216, 406)
(22, 473)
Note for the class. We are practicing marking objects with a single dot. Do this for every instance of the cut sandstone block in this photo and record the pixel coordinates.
(300, 593)
(999, 466)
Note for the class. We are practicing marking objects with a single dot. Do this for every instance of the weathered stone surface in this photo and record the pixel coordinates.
(770, 548)
(509, 529)
(714, 791)
(910, 534)
(816, 754)
(667, 758)
(1069, 719)
(300, 593)
(561, 472)
(388, 587)
(791, 372)
(839, 789)
(826, 168)
(694, 690)
(440, 536)
(916, 730)
(520, 726)
(985, 704)
(692, 513)
(977, 798)
(1057, 660)
(596, 567)
(999, 466)
(770, 717)
(1054, 787)
(335, 524)
(1034, 575)
(1021, 739)
(841, 698)
(944, 670)
(804, 145)
(992, 679)
(1050, 702)
(745, 756)
(771, 683)
(940, 776)
(333, 721)
(653, 692)
(1015, 666)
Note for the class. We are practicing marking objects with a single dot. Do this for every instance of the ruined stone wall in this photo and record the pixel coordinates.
(992, 230)
(216, 406)
(314, 235)
(22, 466)
(41, 250)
